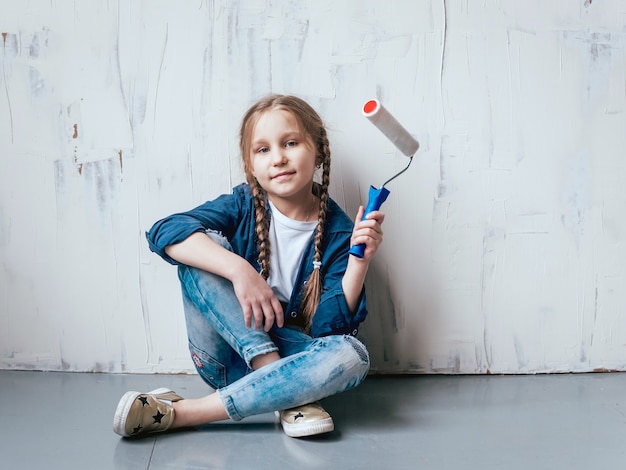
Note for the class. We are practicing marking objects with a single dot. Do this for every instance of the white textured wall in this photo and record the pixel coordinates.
(505, 241)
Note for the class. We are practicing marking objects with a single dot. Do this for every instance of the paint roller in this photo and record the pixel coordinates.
(393, 130)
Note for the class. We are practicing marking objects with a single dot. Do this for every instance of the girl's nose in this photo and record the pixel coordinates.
(278, 157)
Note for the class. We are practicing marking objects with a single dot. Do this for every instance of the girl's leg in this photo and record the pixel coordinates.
(215, 320)
(217, 363)
(223, 349)
(310, 369)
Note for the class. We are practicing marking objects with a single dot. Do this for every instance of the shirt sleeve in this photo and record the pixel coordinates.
(220, 215)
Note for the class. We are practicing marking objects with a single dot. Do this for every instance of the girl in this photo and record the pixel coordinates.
(272, 298)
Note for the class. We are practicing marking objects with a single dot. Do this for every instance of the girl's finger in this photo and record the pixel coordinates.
(359, 214)
(247, 315)
(268, 316)
(278, 312)
(378, 216)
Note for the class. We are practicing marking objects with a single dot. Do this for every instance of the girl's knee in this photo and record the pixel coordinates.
(359, 348)
(362, 362)
(354, 357)
(220, 239)
(192, 278)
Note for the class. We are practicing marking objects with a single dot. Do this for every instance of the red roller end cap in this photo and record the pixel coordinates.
(370, 106)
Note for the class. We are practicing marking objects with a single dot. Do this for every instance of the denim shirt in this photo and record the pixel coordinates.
(233, 216)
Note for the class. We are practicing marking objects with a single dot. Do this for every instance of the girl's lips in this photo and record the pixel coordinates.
(283, 174)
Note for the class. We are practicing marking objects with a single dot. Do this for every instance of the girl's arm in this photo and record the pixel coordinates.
(368, 232)
(254, 294)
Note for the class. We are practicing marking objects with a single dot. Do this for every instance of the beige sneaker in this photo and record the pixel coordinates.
(306, 420)
(143, 413)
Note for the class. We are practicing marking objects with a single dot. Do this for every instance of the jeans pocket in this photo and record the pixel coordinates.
(212, 371)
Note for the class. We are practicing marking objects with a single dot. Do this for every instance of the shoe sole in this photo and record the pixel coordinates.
(309, 429)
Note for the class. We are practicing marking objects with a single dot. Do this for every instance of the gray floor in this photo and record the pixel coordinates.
(63, 421)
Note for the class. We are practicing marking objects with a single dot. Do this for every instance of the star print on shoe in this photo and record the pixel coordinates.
(306, 420)
(158, 417)
(138, 414)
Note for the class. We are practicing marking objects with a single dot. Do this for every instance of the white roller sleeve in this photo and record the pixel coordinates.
(389, 126)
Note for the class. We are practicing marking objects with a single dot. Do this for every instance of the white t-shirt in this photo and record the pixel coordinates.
(288, 239)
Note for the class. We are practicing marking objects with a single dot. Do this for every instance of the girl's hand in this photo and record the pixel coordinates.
(368, 232)
(257, 300)
(255, 296)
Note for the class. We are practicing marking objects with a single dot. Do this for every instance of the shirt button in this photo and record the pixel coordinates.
(294, 314)
(354, 332)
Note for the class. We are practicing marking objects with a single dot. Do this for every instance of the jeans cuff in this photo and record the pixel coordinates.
(250, 354)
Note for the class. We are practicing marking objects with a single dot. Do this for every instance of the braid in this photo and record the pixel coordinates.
(313, 291)
(262, 229)
(323, 195)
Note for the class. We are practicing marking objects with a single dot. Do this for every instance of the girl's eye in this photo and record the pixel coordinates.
(291, 143)
(263, 150)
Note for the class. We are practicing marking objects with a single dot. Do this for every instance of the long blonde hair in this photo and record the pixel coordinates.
(311, 123)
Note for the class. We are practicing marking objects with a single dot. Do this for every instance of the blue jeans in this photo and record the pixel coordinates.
(222, 349)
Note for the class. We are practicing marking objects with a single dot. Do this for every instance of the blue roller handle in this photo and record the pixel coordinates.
(376, 197)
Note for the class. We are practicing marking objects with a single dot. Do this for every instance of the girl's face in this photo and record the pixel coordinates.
(283, 159)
